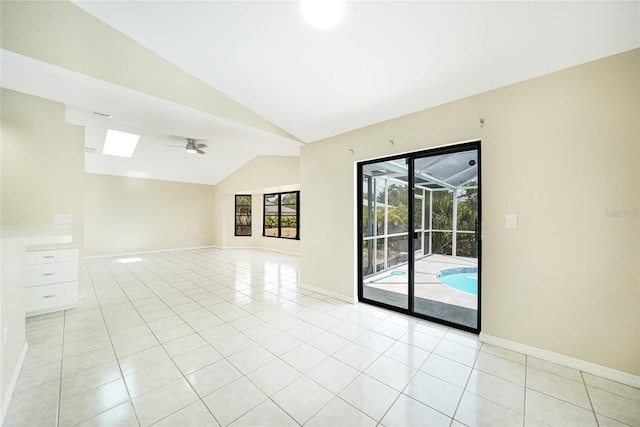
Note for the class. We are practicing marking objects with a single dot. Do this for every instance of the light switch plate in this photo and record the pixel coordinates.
(511, 221)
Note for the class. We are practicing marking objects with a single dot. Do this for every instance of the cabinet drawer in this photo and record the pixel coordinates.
(52, 256)
(45, 274)
(49, 296)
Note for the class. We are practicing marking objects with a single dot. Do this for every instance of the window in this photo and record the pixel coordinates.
(282, 215)
(243, 215)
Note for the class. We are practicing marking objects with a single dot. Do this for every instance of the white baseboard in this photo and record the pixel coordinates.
(561, 359)
(328, 293)
(190, 249)
(148, 252)
(256, 248)
(51, 309)
(12, 384)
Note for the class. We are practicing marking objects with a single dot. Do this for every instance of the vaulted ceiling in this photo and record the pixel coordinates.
(253, 78)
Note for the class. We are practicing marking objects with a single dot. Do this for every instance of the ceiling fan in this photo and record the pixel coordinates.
(192, 147)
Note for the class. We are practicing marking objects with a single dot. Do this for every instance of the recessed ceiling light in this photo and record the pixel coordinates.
(119, 143)
(321, 14)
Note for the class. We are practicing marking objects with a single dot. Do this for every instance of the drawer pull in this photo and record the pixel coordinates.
(49, 256)
(49, 274)
(49, 296)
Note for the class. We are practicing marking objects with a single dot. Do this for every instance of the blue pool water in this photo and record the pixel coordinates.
(398, 273)
(461, 278)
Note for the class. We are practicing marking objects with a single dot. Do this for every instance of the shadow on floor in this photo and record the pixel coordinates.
(451, 313)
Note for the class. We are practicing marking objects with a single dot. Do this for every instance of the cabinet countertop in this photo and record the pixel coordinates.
(31, 237)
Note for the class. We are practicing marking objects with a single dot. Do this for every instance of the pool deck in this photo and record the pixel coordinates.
(427, 286)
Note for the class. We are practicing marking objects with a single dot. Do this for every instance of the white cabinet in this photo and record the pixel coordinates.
(51, 280)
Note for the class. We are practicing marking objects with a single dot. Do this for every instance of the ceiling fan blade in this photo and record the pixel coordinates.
(192, 146)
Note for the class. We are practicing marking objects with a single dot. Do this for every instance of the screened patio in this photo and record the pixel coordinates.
(445, 228)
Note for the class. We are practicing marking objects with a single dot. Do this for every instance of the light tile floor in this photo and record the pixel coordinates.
(211, 337)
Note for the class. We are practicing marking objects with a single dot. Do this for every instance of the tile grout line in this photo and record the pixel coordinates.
(302, 374)
(171, 308)
(464, 389)
(176, 313)
(129, 279)
(183, 376)
(200, 398)
(412, 376)
(586, 389)
(64, 328)
(402, 392)
(524, 403)
(277, 357)
(564, 401)
(336, 395)
(114, 352)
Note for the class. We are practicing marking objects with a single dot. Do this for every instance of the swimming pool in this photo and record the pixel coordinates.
(386, 276)
(462, 278)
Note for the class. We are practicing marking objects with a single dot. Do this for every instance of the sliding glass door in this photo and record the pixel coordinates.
(446, 275)
(430, 269)
(385, 232)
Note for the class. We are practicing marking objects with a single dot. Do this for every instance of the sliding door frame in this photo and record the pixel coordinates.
(410, 158)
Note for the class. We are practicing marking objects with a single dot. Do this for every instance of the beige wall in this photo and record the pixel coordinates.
(262, 175)
(563, 153)
(125, 215)
(43, 175)
(42, 163)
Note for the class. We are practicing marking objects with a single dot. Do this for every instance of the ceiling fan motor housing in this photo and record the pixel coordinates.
(193, 147)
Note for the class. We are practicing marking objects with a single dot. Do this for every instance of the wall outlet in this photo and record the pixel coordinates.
(314, 264)
(511, 221)
(63, 219)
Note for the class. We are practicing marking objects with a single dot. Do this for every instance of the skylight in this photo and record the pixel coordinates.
(119, 143)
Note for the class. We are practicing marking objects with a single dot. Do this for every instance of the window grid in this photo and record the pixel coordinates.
(282, 215)
(243, 215)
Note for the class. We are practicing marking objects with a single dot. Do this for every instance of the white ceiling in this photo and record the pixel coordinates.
(161, 124)
(383, 60)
